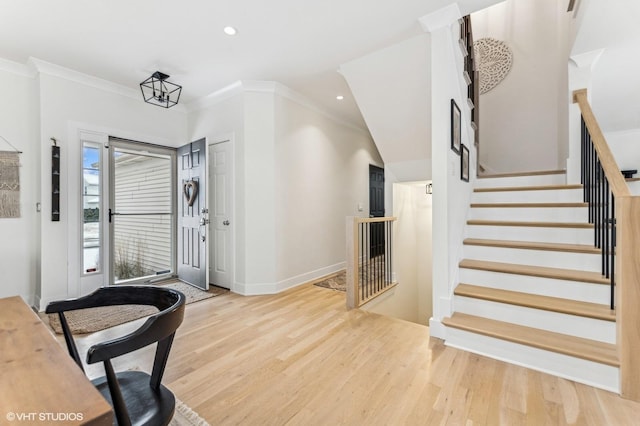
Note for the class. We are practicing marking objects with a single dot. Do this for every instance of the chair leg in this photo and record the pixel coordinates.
(68, 338)
(160, 361)
(119, 406)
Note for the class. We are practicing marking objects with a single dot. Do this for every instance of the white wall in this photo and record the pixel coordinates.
(625, 146)
(321, 176)
(523, 120)
(451, 196)
(63, 104)
(411, 299)
(299, 174)
(390, 87)
(19, 241)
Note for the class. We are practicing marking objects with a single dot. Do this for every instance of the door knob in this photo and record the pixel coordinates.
(226, 223)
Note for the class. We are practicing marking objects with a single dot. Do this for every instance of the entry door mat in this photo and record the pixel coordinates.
(83, 321)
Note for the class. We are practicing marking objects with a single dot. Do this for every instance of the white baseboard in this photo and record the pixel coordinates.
(437, 329)
(274, 288)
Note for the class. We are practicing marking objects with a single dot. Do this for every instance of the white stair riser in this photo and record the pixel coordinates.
(576, 290)
(540, 196)
(572, 325)
(530, 233)
(556, 179)
(536, 214)
(576, 369)
(550, 259)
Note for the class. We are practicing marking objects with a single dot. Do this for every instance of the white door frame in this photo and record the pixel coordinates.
(230, 138)
(79, 284)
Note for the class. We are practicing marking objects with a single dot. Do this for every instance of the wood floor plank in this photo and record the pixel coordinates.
(591, 350)
(532, 245)
(520, 174)
(528, 188)
(535, 271)
(529, 224)
(366, 369)
(529, 205)
(535, 301)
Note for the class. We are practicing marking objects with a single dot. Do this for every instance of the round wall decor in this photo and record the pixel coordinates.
(494, 59)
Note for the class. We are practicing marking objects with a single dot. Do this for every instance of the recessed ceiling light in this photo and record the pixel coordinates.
(230, 31)
(339, 97)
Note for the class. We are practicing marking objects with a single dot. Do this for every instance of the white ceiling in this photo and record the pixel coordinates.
(300, 44)
(612, 26)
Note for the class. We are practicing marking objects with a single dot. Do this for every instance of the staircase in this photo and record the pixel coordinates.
(530, 286)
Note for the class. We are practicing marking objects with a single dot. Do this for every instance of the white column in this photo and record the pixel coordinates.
(580, 70)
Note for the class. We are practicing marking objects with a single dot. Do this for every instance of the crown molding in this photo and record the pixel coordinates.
(216, 97)
(440, 18)
(586, 59)
(17, 68)
(44, 67)
(273, 87)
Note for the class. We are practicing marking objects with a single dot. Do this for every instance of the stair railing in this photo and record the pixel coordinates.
(369, 259)
(602, 183)
(616, 216)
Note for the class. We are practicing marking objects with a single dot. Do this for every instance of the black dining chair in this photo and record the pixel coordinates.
(137, 398)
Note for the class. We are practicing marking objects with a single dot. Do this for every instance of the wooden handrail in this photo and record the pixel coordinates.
(611, 170)
(375, 219)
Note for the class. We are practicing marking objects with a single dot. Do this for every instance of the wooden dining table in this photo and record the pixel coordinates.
(39, 382)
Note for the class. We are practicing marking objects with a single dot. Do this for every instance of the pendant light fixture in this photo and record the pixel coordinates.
(157, 90)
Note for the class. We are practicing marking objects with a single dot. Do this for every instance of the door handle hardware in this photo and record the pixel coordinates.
(226, 223)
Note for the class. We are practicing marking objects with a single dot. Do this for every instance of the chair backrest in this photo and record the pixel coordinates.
(170, 304)
(160, 328)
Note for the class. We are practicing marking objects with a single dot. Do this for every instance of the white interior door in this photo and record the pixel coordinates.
(221, 258)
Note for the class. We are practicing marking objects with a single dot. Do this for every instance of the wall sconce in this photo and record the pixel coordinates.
(157, 90)
(429, 188)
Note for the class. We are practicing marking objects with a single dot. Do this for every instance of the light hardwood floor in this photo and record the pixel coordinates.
(300, 358)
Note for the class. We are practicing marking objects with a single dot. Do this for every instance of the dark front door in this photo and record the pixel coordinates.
(192, 214)
(376, 209)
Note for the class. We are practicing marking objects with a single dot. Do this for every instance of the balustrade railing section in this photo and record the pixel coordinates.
(370, 258)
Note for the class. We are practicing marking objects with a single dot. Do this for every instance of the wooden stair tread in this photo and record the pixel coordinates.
(535, 271)
(536, 301)
(591, 350)
(521, 174)
(579, 225)
(532, 245)
(527, 205)
(528, 188)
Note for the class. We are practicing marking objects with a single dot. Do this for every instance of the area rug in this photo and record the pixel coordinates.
(185, 416)
(375, 269)
(90, 320)
(335, 282)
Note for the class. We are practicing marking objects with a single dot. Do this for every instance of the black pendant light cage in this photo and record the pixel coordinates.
(158, 91)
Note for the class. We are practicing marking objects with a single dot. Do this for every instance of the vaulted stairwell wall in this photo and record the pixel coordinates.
(391, 89)
(404, 93)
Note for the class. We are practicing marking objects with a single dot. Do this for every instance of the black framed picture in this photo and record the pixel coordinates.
(456, 124)
(464, 163)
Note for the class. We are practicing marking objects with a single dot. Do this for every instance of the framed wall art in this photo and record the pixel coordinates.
(456, 125)
(464, 163)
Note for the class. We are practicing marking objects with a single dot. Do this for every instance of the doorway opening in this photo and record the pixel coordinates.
(141, 211)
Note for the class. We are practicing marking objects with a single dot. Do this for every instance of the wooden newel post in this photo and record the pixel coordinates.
(628, 294)
(352, 262)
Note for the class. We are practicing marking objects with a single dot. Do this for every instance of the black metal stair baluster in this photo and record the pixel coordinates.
(605, 233)
(613, 248)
